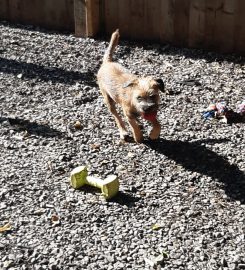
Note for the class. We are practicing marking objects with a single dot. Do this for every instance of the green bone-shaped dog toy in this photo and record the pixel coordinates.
(109, 187)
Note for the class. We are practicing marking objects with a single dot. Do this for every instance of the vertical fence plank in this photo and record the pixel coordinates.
(153, 16)
(239, 35)
(137, 22)
(197, 23)
(14, 10)
(224, 28)
(93, 17)
(166, 21)
(181, 22)
(124, 18)
(4, 10)
(111, 15)
(80, 18)
(210, 23)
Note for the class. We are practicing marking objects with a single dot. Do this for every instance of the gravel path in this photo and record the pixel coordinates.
(182, 199)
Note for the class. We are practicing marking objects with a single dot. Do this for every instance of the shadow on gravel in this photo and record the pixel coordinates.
(31, 127)
(195, 157)
(33, 28)
(121, 198)
(127, 199)
(53, 74)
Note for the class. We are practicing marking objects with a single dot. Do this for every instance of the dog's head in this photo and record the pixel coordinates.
(145, 94)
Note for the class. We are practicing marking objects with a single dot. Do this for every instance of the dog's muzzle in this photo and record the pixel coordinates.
(147, 108)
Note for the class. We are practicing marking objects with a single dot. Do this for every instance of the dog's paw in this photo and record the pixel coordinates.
(123, 134)
(155, 132)
(154, 138)
(139, 139)
(154, 135)
(124, 137)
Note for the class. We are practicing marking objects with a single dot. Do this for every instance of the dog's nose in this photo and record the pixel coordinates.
(148, 107)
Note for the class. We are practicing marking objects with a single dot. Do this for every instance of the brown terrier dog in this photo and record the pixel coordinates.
(137, 96)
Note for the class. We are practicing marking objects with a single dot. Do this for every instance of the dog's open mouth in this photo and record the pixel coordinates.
(150, 116)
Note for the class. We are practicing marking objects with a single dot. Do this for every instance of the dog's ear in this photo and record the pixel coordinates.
(130, 83)
(160, 84)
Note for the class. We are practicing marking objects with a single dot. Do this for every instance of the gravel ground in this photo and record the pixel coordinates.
(182, 199)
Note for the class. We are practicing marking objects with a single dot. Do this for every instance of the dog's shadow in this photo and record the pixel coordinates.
(195, 157)
(32, 128)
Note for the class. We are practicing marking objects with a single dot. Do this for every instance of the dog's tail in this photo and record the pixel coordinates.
(113, 43)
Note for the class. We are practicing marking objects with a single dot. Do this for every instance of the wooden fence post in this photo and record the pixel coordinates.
(86, 17)
(80, 18)
(93, 17)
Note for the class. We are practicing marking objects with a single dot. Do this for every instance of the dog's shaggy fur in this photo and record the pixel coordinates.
(138, 96)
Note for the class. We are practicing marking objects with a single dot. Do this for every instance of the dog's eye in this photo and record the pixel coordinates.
(152, 96)
(139, 98)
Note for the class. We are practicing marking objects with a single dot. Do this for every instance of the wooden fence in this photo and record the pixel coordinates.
(51, 14)
(211, 24)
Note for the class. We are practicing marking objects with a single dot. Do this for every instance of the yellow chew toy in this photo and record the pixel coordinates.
(109, 187)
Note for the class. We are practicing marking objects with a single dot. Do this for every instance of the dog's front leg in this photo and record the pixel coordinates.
(120, 123)
(156, 129)
(137, 133)
(111, 105)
